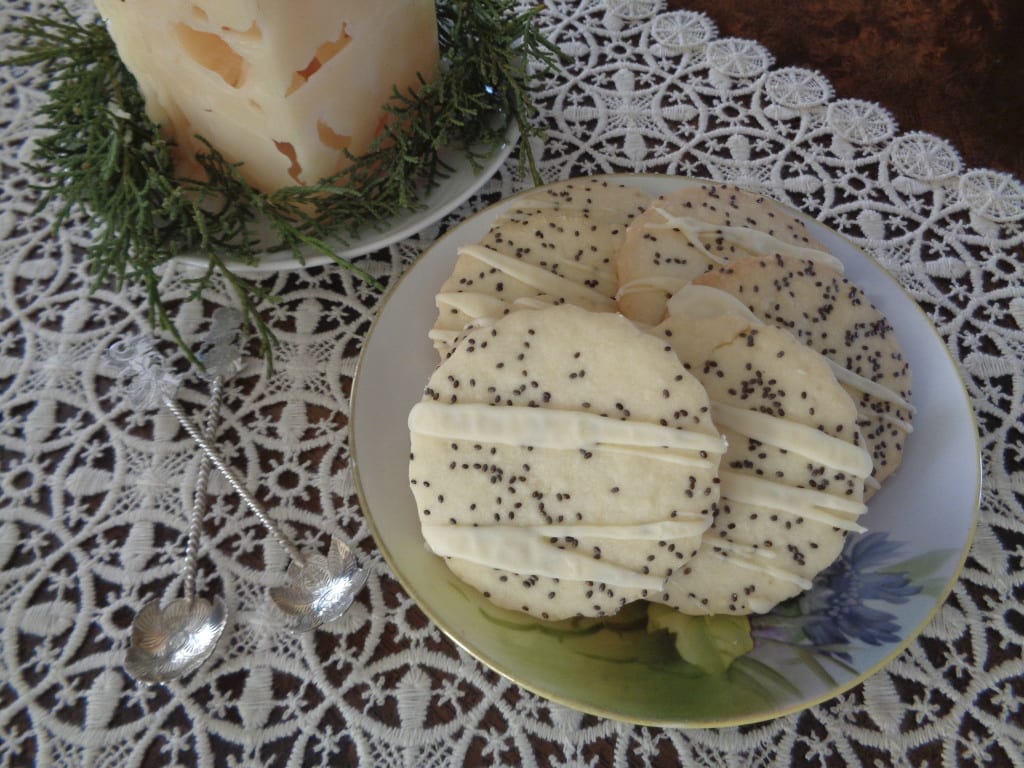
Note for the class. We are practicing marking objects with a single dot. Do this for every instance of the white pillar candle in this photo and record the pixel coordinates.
(281, 86)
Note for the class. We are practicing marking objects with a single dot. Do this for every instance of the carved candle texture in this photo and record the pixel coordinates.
(282, 86)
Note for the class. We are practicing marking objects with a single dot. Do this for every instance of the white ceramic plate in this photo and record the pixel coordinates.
(451, 192)
(860, 614)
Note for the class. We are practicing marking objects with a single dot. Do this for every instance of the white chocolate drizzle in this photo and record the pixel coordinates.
(681, 526)
(818, 506)
(668, 285)
(532, 302)
(482, 310)
(759, 605)
(683, 459)
(523, 551)
(472, 304)
(706, 302)
(904, 426)
(442, 336)
(745, 556)
(753, 241)
(539, 278)
(869, 387)
(549, 428)
(798, 438)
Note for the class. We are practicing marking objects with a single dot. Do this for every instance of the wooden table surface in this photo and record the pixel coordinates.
(953, 68)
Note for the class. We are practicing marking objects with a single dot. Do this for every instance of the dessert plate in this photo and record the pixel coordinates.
(462, 181)
(860, 614)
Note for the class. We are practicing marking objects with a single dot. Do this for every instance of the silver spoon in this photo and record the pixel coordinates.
(319, 588)
(170, 642)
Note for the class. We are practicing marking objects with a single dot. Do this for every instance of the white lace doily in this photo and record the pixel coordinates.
(94, 499)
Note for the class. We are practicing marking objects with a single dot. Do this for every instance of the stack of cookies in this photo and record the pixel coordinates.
(679, 400)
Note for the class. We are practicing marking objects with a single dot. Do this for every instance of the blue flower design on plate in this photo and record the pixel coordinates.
(836, 609)
(846, 606)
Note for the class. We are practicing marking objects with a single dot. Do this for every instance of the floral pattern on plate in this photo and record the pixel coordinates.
(849, 607)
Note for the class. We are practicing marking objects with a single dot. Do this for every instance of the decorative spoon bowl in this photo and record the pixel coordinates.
(320, 588)
(170, 642)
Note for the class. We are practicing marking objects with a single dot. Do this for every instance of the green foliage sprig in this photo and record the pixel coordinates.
(101, 157)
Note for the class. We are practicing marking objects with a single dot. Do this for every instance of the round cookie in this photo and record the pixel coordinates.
(832, 316)
(550, 475)
(594, 195)
(685, 233)
(557, 246)
(792, 478)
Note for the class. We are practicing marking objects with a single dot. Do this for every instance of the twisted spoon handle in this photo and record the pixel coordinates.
(232, 478)
(210, 425)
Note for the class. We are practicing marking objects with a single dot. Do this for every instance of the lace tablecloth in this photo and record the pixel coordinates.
(91, 512)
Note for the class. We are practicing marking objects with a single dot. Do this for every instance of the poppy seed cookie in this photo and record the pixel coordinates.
(685, 233)
(832, 316)
(556, 246)
(550, 475)
(792, 478)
